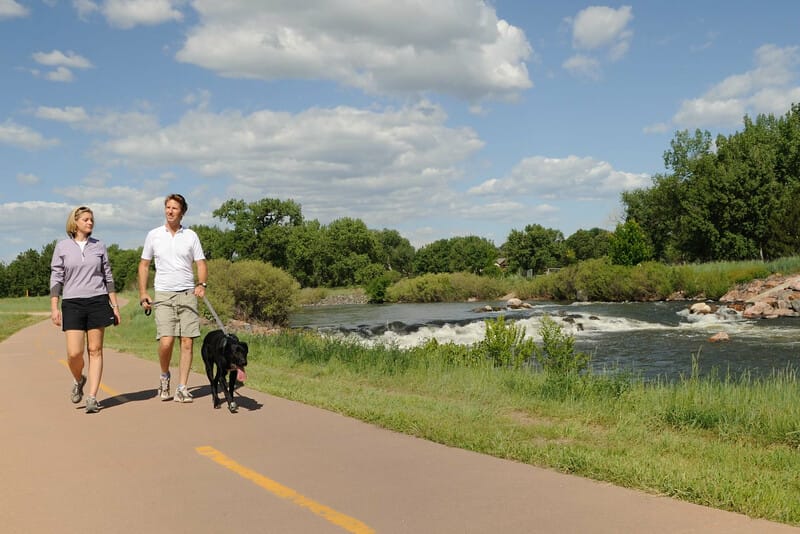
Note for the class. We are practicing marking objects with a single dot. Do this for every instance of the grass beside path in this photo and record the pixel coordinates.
(16, 314)
(728, 443)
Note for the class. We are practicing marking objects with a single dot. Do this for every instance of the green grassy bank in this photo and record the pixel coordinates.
(16, 314)
(728, 442)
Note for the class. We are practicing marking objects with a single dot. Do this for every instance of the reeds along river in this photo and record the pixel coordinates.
(654, 340)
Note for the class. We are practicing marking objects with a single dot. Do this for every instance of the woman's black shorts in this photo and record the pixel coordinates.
(86, 313)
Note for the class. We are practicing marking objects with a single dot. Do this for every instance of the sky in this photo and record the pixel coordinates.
(437, 118)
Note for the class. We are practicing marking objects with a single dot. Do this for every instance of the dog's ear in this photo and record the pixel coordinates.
(244, 346)
(224, 344)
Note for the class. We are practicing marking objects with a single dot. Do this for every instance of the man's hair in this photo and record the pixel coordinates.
(179, 199)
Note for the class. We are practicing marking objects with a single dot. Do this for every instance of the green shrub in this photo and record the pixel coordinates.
(369, 272)
(651, 281)
(557, 352)
(504, 344)
(376, 287)
(446, 287)
(251, 290)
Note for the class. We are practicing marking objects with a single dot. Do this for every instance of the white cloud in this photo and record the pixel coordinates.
(85, 8)
(598, 29)
(10, 9)
(570, 178)
(583, 66)
(115, 221)
(127, 14)
(68, 114)
(702, 111)
(770, 87)
(61, 74)
(18, 232)
(386, 46)
(15, 134)
(110, 122)
(56, 58)
(602, 27)
(391, 163)
(62, 63)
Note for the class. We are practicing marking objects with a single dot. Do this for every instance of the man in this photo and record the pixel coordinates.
(175, 250)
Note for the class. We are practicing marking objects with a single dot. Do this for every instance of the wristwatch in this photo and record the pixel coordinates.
(203, 284)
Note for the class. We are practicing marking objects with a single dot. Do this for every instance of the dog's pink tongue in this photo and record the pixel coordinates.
(241, 376)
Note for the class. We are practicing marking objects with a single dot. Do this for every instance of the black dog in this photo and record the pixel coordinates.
(229, 355)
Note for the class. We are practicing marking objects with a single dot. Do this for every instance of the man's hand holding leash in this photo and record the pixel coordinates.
(146, 303)
(200, 290)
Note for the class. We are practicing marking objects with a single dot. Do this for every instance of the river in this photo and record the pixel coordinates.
(654, 340)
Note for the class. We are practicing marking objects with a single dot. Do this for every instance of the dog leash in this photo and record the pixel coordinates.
(155, 303)
(214, 313)
(205, 299)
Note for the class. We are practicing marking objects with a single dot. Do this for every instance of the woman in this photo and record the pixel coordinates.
(81, 275)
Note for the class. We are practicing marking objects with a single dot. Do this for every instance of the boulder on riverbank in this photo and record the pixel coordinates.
(768, 298)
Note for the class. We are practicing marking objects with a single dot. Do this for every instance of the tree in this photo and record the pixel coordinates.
(658, 210)
(536, 248)
(304, 254)
(629, 245)
(4, 290)
(785, 225)
(433, 257)
(471, 254)
(394, 251)
(347, 247)
(261, 229)
(217, 243)
(29, 273)
(588, 244)
(124, 265)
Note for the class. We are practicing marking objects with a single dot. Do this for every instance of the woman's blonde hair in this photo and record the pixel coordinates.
(72, 220)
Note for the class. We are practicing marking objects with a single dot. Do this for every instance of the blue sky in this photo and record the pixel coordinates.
(436, 119)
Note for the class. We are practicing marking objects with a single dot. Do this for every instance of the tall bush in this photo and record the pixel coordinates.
(505, 344)
(557, 353)
(446, 287)
(251, 290)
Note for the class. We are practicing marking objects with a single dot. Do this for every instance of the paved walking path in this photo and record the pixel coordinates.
(142, 465)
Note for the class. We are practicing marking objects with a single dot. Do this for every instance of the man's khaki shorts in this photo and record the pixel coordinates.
(176, 314)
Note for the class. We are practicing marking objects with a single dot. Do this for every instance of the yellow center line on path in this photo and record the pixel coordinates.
(103, 387)
(279, 490)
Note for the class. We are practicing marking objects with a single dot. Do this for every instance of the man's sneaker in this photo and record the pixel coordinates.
(92, 406)
(77, 390)
(183, 395)
(163, 388)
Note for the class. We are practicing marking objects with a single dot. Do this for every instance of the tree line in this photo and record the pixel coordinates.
(342, 253)
(733, 198)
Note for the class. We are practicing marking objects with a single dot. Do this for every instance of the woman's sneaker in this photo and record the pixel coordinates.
(163, 388)
(77, 390)
(92, 406)
(183, 395)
